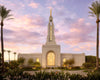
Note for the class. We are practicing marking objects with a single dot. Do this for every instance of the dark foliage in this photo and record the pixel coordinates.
(90, 59)
(89, 65)
(17, 74)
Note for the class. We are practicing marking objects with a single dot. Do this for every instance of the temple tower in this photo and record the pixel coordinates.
(50, 36)
(51, 51)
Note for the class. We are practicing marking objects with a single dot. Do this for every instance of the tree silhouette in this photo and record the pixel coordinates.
(9, 55)
(4, 14)
(95, 11)
(14, 55)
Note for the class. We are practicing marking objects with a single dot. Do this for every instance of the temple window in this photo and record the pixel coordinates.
(37, 60)
(64, 60)
(51, 59)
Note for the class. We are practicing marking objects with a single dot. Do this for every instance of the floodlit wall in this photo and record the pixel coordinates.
(34, 56)
(79, 59)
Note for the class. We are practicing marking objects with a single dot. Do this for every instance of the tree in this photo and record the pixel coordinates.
(95, 11)
(14, 55)
(0, 62)
(69, 62)
(21, 60)
(9, 54)
(13, 64)
(90, 59)
(88, 65)
(30, 62)
(37, 64)
(66, 63)
(4, 14)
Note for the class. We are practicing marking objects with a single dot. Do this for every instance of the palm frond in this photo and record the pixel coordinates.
(91, 14)
(9, 15)
(95, 9)
(92, 10)
(4, 13)
(10, 18)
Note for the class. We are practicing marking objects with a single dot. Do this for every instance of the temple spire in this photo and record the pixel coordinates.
(50, 36)
(50, 12)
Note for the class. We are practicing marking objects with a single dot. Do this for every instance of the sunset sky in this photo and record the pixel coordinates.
(75, 30)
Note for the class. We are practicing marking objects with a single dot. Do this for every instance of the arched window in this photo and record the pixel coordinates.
(50, 59)
(37, 60)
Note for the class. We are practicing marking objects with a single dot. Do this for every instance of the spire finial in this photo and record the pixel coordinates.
(50, 12)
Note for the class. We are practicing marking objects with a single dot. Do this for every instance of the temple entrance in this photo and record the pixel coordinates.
(51, 59)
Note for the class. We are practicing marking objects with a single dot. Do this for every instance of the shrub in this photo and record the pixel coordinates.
(93, 76)
(27, 68)
(88, 65)
(36, 64)
(69, 62)
(91, 59)
(48, 68)
(6, 66)
(17, 74)
(76, 77)
(31, 68)
(30, 62)
(41, 75)
(27, 76)
(21, 60)
(51, 76)
(76, 67)
(12, 74)
(62, 76)
(13, 64)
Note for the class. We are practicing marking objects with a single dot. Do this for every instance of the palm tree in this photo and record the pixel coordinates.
(14, 55)
(95, 11)
(9, 55)
(0, 61)
(4, 14)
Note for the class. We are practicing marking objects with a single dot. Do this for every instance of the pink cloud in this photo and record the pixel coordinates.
(54, 2)
(74, 30)
(79, 35)
(85, 47)
(50, 7)
(34, 5)
(80, 32)
(24, 30)
(81, 20)
(26, 22)
(77, 49)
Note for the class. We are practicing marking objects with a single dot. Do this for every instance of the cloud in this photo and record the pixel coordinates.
(28, 30)
(24, 30)
(79, 32)
(54, 2)
(85, 47)
(26, 22)
(34, 5)
(23, 36)
(19, 40)
(78, 36)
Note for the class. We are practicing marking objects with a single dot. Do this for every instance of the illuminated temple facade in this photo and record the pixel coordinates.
(51, 55)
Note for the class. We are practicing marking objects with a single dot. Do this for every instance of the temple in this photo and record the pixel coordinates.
(51, 55)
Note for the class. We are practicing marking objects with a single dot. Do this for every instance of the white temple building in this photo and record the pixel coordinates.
(51, 55)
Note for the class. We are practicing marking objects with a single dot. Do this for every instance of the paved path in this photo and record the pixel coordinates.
(57, 70)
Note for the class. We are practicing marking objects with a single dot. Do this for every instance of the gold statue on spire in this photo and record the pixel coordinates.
(50, 12)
